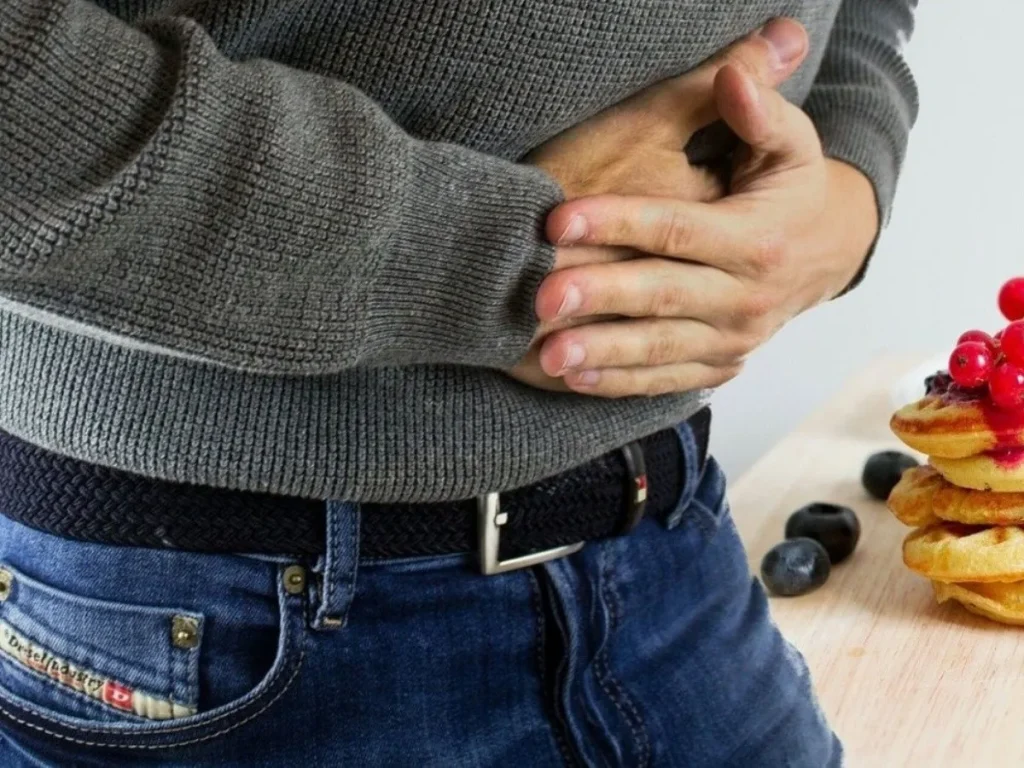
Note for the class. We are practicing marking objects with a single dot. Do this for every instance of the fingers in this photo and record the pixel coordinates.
(638, 343)
(641, 288)
(582, 255)
(660, 380)
(640, 357)
(768, 56)
(714, 234)
(762, 118)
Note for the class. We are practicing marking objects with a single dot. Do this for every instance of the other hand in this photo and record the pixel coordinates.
(636, 148)
(717, 279)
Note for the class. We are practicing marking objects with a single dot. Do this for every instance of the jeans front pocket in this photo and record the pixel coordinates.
(94, 658)
(108, 652)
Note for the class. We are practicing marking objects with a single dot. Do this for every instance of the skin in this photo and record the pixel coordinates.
(664, 281)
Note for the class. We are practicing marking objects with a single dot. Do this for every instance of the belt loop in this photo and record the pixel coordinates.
(338, 566)
(693, 444)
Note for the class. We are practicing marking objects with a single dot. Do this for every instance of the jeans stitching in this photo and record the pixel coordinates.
(332, 576)
(330, 571)
(208, 737)
(52, 686)
(181, 677)
(287, 641)
(541, 644)
(690, 457)
(76, 696)
(350, 576)
(192, 662)
(619, 698)
(172, 666)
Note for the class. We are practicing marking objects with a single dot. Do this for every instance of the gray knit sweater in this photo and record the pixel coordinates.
(286, 244)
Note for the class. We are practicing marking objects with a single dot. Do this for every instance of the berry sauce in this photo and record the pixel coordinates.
(1006, 425)
(1007, 458)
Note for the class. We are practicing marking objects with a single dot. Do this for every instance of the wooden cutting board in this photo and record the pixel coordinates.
(905, 682)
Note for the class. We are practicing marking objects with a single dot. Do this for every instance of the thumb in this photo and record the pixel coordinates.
(768, 56)
(763, 119)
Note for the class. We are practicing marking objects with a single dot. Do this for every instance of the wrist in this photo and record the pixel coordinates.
(852, 207)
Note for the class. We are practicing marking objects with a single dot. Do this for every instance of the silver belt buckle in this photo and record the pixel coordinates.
(490, 518)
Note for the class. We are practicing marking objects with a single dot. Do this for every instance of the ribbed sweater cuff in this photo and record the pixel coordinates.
(469, 256)
(854, 129)
(861, 128)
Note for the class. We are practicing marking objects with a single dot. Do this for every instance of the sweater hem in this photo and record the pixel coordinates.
(332, 437)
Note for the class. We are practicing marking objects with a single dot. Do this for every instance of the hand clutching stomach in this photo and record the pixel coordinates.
(663, 280)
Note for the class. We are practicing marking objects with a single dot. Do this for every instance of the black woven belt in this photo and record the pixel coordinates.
(83, 501)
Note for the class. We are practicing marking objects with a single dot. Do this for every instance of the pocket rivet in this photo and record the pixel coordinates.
(184, 632)
(6, 580)
(294, 579)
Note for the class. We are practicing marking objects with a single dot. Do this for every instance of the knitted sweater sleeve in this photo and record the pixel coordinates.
(248, 214)
(864, 100)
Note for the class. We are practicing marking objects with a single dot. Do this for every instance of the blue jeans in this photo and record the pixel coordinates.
(654, 648)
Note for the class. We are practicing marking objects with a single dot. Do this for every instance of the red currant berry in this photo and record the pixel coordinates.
(998, 338)
(1011, 299)
(971, 364)
(981, 336)
(1012, 343)
(1006, 387)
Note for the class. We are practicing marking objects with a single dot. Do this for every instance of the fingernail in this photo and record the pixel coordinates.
(574, 231)
(572, 301)
(588, 379)
(573, 356)
(784, 40)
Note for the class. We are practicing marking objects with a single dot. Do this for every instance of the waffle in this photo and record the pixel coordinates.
(951, 429)
(968, 503)
(912, 501)
(954, 552)
(1002, 602)
(923, 496)
(984, 472)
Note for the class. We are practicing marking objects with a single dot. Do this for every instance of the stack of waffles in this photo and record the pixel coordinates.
(967, 504)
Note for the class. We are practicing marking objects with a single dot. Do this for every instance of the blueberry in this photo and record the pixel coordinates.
(937, 383)
(795, 567)
(883, 470)
(836, 528)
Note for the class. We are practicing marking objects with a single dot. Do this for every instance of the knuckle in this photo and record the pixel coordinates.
(599, 298)
(662, 348)
(768, 252)
(666, 301)
(755, 306)
(676, 234)
(608, 353)
(624, 230)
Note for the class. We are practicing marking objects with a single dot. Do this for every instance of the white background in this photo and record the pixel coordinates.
(956, 234)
